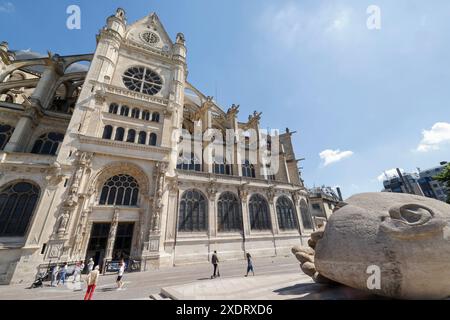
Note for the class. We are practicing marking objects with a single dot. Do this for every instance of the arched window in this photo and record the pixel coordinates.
(113, 108)
(48, 143)
(221, 167)
(259, 213)
(306, 216)
(120, 132)
(192, 216)
(120, 190)
(131, 137)
(145, 115)
(135, 113)
(190, 163)
(142, 137)
(17, 204)
(248, 170)
(153, 138)
(107, 132)
(124, 111)
(155, 117)
(5, 134)
(229, 213)
(286, 214)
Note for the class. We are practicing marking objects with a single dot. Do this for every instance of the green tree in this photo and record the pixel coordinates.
(444, 177)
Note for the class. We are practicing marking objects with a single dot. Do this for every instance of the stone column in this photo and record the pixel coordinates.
(243, 194)
(212, 215)
(273, 213)
(23, 130)
(46, 86)
(296, 197)
(112, 235)
(172, 209)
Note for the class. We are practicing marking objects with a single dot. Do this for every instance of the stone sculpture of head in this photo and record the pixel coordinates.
(404, 237)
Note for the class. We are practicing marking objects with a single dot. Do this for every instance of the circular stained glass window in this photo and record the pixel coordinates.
(143, 80)
(149, 37)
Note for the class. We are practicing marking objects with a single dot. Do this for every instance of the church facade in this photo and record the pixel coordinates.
(96, 163)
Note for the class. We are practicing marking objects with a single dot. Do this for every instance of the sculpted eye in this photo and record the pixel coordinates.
(411, 214)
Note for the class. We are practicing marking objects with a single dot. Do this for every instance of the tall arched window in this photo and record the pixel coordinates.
(223, 168)
(113, 108)
(248, 170)
(229, 213)
(135, 113)
(124, 111)
(48, 143)
(142, 137)
(259, 213)
(286, 214)
(107, 132)
(306, 216)
(153, 138)
(192, 216)
(131, 137)
(155, 117)
(120, 190)
(5, 134)
(120, 133)
(17, 204)
(191, 163)
(145, 115)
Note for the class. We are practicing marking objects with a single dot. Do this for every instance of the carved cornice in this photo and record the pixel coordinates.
(122, 144)
(123, 92)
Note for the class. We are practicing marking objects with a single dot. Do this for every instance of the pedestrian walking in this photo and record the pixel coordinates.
(63, 274)
(55, 272)
(92, 280)
(90, 265)
(120, 275)
(249, 264)
(215, 262)
(77, 271)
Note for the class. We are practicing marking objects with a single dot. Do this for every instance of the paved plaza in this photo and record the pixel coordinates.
(276, 279)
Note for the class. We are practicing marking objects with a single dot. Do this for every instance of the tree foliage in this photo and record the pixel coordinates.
(444, 177)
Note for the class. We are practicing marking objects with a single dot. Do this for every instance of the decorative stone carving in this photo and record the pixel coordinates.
(270, 194)
(161, 170)
(180, 38)
(243, 194)
(403, 236)
(212, 190)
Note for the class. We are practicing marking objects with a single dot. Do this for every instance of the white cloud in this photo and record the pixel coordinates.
(434, 138)
(7, 7)
(332, 156)
(296, 25)
(387, 174)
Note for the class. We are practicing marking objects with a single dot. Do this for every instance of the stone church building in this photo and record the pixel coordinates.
(89, 166)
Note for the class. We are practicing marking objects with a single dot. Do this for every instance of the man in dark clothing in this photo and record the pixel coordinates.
(215, 262)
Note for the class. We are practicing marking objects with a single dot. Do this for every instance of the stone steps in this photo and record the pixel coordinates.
(159, 296)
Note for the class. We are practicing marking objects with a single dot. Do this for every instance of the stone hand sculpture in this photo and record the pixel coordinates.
(402, 239)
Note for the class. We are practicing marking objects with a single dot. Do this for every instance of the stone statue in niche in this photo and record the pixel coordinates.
(402, 239)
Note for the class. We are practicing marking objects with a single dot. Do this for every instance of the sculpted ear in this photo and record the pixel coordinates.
(411, 214)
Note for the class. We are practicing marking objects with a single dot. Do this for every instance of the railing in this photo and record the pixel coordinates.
(113, 266)
(46, 269)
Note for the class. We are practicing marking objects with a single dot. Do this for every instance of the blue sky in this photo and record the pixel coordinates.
(367, 100)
